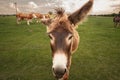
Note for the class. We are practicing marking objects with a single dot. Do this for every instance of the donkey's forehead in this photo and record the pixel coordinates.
(61, 17)
(60, 31)
(58, 19)
(60, 23)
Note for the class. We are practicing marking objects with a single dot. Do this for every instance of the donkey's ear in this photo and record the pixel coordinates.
(80, 14)
(46, 21)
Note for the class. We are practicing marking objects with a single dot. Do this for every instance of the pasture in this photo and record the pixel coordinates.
(25, 52)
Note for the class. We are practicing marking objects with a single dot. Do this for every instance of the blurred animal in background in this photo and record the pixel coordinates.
(116, 20)
(39, 16)
(24, 16)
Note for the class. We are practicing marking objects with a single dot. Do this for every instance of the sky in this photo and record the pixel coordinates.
(44, 6)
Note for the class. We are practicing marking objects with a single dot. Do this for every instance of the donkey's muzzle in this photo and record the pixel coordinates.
(59, 72)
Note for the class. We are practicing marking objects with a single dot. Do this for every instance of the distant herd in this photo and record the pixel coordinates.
(29, 16)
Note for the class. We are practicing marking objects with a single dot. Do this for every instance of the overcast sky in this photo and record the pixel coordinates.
(44, 6)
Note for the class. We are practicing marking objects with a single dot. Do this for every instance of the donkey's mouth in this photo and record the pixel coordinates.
(60, 75)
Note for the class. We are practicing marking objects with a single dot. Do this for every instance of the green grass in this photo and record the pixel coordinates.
(25, 52)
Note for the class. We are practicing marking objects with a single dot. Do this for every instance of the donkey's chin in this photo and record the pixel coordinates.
(59, 76)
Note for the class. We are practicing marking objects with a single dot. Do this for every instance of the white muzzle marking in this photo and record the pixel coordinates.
(59, 60)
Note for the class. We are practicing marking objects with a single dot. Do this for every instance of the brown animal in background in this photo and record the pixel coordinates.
(39, 16)
(24, 16)
(64, 38)
(46, 16)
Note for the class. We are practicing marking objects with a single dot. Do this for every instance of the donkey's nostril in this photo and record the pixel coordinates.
(59, 72)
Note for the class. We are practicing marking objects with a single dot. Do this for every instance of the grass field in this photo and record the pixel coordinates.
(25, 53)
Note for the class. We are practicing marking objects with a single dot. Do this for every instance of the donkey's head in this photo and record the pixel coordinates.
(64, 38)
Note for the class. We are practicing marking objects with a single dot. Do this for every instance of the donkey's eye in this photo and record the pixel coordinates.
(70, 37)
(52, 39)
(50, 36)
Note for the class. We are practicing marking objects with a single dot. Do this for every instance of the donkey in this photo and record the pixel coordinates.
(64, 38)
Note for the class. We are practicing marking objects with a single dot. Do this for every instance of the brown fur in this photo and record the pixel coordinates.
(64, 21)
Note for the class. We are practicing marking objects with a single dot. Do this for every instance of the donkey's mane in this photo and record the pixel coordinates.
(59, 11)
